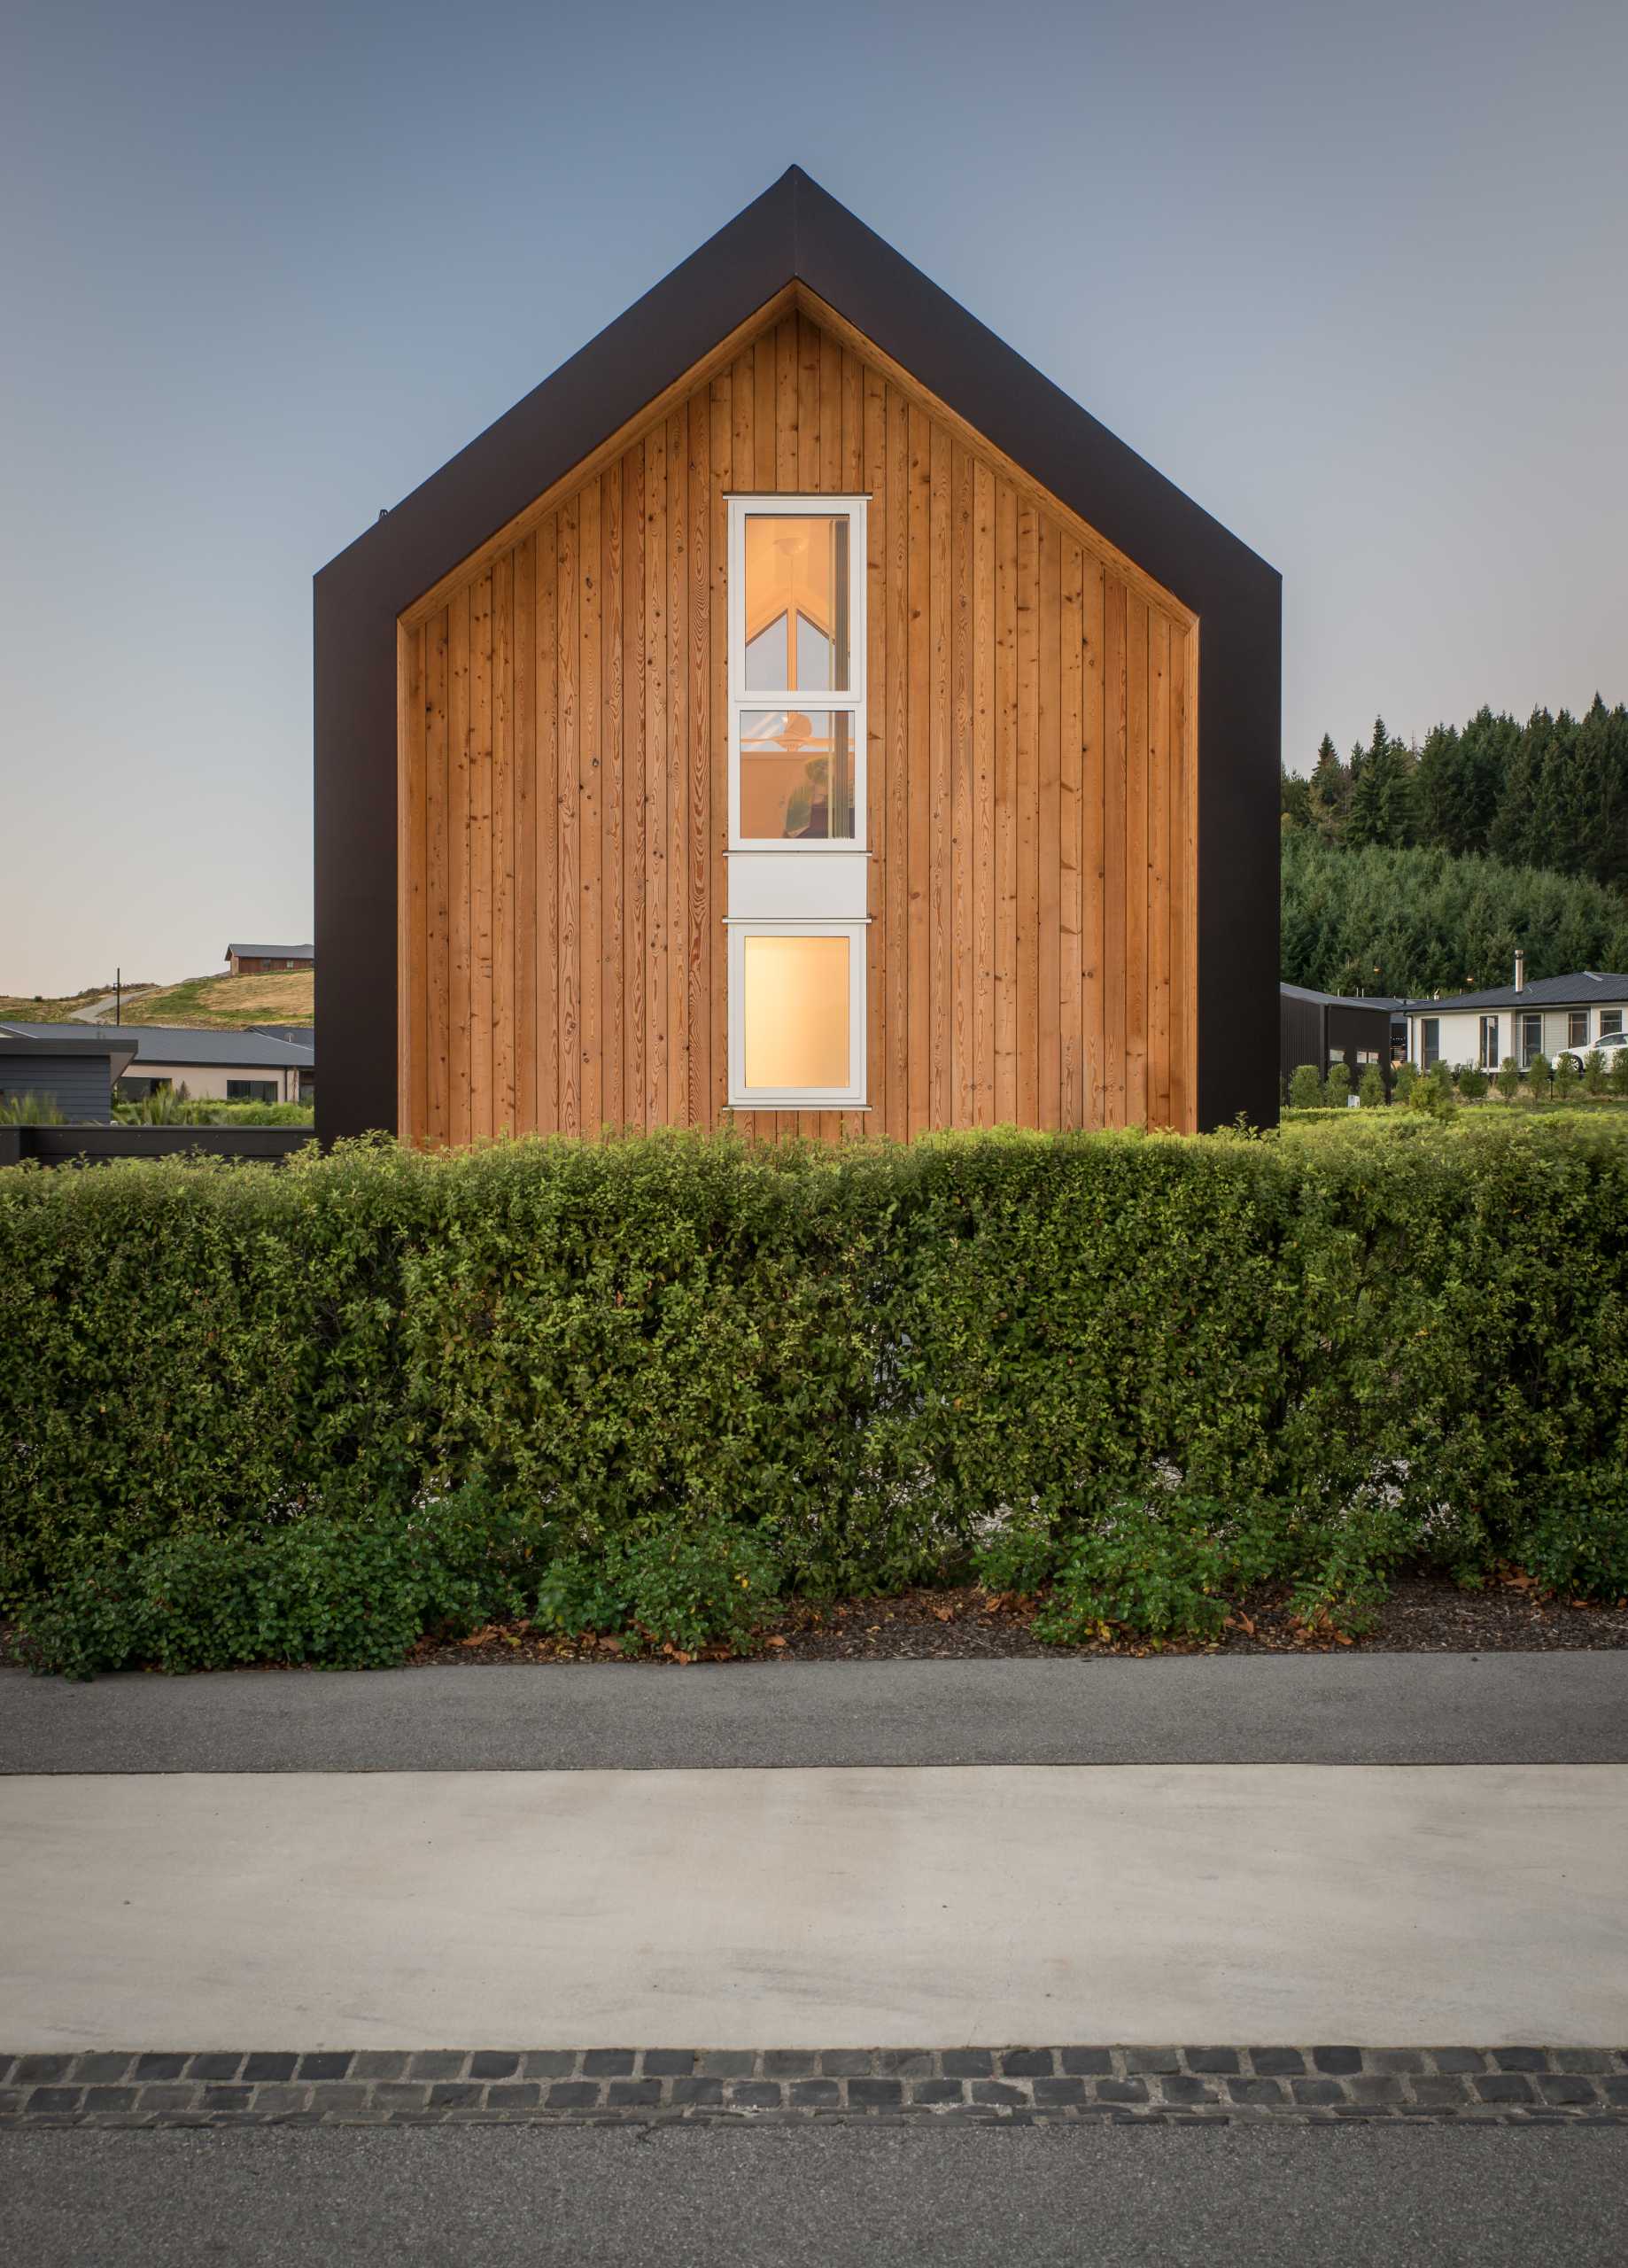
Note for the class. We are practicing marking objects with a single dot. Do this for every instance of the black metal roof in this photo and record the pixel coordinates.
(1344, 999)
(273, 953)
(1585, 988)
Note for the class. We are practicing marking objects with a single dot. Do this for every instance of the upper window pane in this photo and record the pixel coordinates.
(797, 628)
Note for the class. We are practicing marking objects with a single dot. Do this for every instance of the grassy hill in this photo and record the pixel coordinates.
(55, 1008)
(231, 1003)
(199, 1003)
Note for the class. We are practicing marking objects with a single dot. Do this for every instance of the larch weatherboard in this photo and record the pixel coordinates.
(562, 793)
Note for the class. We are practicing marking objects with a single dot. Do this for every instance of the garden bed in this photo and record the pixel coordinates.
(1425, 1615)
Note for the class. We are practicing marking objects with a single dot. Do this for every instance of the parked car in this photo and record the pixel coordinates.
(1610, 1049)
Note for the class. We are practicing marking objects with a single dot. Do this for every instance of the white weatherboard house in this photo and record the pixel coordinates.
(1551, 1016)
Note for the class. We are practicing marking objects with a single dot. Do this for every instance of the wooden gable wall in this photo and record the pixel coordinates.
(1032, 784)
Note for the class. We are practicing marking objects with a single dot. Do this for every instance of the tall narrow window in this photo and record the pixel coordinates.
(795, 668)
(1490, 1058)
(1531, 1038)
(796, 800)
(1429, 1041)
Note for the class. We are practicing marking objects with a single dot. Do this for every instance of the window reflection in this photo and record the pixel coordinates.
(796, 603)
(796, 775)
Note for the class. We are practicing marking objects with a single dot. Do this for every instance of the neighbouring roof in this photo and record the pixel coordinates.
(173, 1043)
(300, 1035)
(115, 1042)
(273, 953)
(1344, 999)
(1585, 988)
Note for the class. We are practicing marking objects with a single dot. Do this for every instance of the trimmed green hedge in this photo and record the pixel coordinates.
(868, 1358)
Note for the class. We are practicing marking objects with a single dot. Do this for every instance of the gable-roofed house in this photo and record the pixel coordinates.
(1573, 1014)
(263, 960)
(796, 713)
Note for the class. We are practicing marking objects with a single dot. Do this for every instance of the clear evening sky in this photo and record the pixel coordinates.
(1354, 277)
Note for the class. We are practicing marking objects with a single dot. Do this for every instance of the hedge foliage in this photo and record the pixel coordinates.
(1381, 1336)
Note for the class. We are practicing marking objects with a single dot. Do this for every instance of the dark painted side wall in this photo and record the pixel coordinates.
(80, 1084)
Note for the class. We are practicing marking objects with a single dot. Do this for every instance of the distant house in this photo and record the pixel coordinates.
(1325, 1028)
(267, 960)
(68, 1064)
(225, 1066)
(1551, 1016)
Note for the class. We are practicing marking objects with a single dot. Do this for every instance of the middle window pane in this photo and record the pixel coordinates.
(796, 603)
(796, 776)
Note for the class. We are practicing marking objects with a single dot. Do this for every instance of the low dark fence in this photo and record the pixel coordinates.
(73, 1145)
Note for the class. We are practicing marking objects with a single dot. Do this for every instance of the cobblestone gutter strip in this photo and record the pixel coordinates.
(1015, 2086)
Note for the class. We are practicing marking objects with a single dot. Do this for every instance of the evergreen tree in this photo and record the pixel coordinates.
(1329, 792)
(1382, 792)
(1513, 834)
(1550, 794)
(1460, 778)
(1294, 797)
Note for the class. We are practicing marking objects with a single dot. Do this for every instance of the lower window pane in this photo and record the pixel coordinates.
(796, 776)
(795, 1028)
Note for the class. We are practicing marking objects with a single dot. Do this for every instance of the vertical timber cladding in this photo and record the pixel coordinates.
(1032, 785)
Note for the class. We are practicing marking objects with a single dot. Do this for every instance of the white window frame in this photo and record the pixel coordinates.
(1610, 1023)
(852, 702)
(850, 1097)
(1490, 1057)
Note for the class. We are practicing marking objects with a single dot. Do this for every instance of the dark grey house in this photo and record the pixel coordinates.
(71, 1066)
(1324, 1028)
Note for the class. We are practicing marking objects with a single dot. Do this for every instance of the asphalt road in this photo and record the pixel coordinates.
(821, 2197)
(1503, 1708)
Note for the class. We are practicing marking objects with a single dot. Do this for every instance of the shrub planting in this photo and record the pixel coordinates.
(1509, 1079)
(1304, 1088)
(644, 1384)
(1371, 1087)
